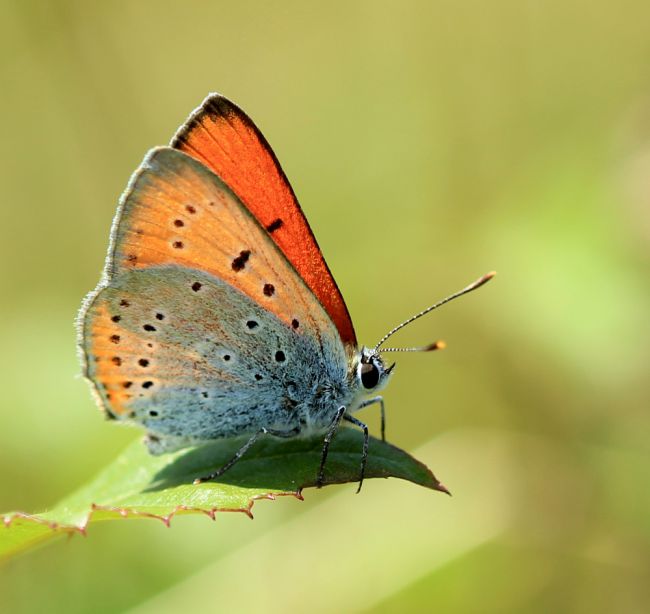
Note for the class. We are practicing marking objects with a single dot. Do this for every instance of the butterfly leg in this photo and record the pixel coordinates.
(364, 454)
(372, 401)
(326, 444)
(244, 449)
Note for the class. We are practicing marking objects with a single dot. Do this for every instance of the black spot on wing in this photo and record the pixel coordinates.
(276, 224)
(239, 263)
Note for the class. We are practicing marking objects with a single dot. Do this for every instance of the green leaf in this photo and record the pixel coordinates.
(138, 485)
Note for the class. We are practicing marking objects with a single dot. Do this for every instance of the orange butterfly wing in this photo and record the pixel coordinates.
(221, 136)
(176, 217)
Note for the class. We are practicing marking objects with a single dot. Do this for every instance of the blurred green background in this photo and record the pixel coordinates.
(428, 143)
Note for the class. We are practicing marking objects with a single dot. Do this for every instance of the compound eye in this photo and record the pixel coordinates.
(369, 375)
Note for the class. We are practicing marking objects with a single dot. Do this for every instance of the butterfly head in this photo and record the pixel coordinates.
(372, 373)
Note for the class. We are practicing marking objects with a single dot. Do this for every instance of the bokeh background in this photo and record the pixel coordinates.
(428, 142)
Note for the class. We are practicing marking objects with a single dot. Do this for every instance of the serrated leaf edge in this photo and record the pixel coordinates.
(124, 512)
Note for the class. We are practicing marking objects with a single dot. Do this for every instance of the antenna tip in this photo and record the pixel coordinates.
(436, 345)
(487, 277)
(480, 281)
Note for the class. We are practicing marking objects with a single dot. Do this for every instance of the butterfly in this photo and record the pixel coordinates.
(216, 315)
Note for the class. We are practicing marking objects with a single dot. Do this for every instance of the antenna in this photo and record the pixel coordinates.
(437, 345)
